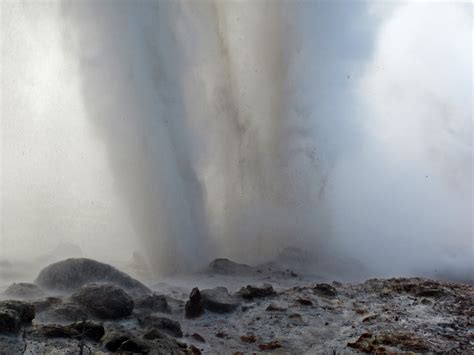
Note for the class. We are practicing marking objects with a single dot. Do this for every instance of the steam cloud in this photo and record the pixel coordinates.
(192, 130)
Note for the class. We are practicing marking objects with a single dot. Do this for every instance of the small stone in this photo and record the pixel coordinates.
(304, 302)
(251, 292)
(193, 308)
(198, 337)
(272, 345)
(250, 338)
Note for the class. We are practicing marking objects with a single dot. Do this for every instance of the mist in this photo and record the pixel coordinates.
(186, 131)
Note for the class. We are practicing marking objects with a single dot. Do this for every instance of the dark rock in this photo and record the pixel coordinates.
(325, 290)
(70, 274)
(194, 351)
(122, 341)
(272, 307)
(46, 303)
(218, 300)
(154, 333)
(227, 267)
(104, 301)
(221, 335)
(14, 314)
(193, 308)
(251, 292)
(304, 301)
(404, 341)
(23, 290)
(272, 345)
(89, 329)
(55, 331)
(167, 325)
(64, 312)
(154, 302)
(249, 338)
(198, 337)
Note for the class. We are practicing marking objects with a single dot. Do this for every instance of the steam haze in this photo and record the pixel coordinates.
(186, 131)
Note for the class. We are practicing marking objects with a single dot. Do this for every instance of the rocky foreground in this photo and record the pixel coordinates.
(83, 306)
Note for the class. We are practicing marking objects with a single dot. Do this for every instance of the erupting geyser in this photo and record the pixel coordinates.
(191, 130)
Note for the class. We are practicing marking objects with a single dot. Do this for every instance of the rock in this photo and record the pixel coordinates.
(90, 329)
(304, 301)
(221, 335)
(404, 341)
(64, 312)
(325, 290)
(272, 307)
(218, 300)
(14, 314)
(154, 333)
(251, 292)
(23, 290)
(154, 302)
(167, 325)
(272, 345)
(104, 301)
(249, 338)
(55, 331)
(70, 274)
(194, 350)
(198, 337)
(46, 303)
(122, 341)
(227, 267)
(193, 308)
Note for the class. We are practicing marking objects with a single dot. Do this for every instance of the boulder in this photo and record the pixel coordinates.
(166, 325)
(122, 341)
(154, 303)
(218, 300)
(104, 301)
(193, 308)
(250, 292)
(23, 290)
(227, 267)
(14, 314)
(325, 290)
(70, 274)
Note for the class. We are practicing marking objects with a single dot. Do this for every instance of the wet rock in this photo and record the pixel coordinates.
(222, 335)
(193, 308)
(272, 345)
(154, 303)
(218, 300)
(325, 290)
(154, 333)
(272, 307)
(89, 329)
(65, 312)
(304, 301)
(55, 331)
(46, 303)
(296, 319)
(166, 325)
(249, 338)
(14, 314)
(23, 290)
(250, 292)
(405, 341)
(104, 301)
(227, 267)
(70, 274)
(122, 341)
(198, 337)
(194, 351)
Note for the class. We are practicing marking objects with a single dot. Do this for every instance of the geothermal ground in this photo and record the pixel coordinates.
(82, 306)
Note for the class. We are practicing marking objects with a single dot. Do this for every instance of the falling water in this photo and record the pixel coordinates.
(191, 130)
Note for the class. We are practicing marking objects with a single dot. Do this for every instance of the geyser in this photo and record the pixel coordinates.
(192, 130)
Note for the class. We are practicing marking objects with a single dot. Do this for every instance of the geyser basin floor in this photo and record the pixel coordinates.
(402, 314)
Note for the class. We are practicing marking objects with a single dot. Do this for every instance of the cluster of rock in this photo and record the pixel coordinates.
(96, 307)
